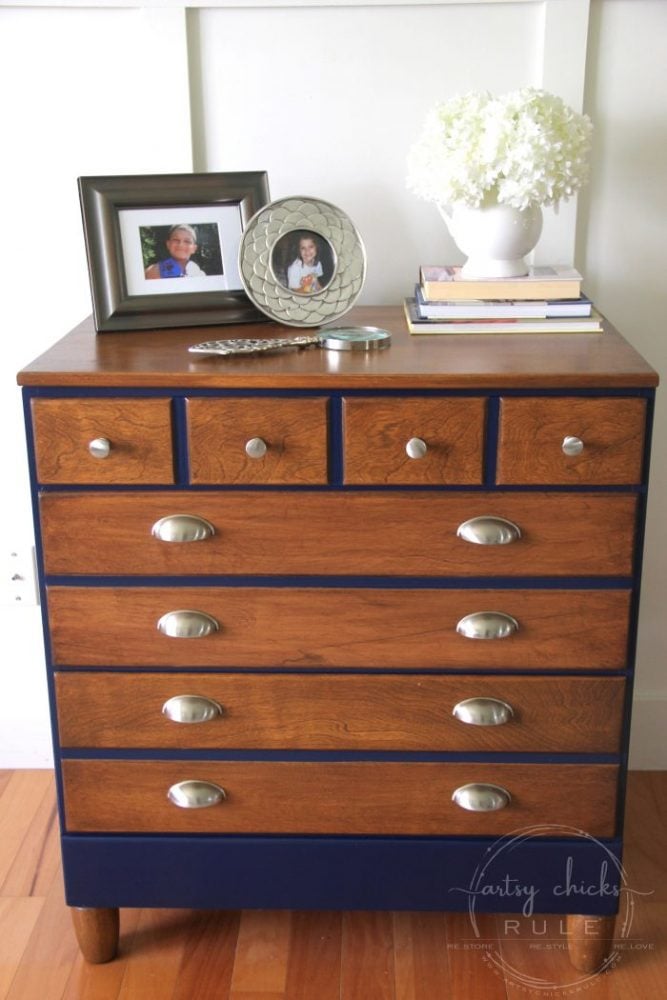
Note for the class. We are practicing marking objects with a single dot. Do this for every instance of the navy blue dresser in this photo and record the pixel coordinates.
(340, 630)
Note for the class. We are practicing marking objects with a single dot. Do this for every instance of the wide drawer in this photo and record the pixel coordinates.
(573, 440)
(303, 627)
(359, 797)
(368, 534)
(104, 441)
(257, 440)
(417, 440)
(355, 712)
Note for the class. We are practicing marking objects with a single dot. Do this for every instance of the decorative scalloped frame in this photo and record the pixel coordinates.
(259, 238)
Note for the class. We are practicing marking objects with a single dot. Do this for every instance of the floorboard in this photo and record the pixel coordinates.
(282, 955)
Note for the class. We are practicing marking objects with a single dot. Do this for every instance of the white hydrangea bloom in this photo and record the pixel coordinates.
(525, 147)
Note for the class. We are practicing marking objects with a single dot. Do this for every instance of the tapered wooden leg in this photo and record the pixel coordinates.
(589, 941)
(96, 930)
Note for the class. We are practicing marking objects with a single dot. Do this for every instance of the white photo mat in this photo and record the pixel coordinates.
(230, 227)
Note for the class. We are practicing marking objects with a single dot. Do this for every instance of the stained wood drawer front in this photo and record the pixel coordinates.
(533, 432)
(392, 534)
(377, 433)
(341, 798)
(138, 432)
(293, 431)
(338, 627)
(354, 712)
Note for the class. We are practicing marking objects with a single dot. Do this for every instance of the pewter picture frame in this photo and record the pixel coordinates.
(302, 261)
(121, 213)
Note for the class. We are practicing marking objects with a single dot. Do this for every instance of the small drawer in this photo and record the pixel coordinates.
(257, 440)
(382, 533)
(413, 441)
(301, 627)
(352, 797)
(340, 712)
(103, 440)
(571, 441)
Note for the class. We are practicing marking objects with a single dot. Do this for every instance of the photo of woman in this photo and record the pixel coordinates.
(180, 251)
(181, 243)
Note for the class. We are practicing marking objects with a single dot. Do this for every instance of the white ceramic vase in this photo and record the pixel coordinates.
(495, 238)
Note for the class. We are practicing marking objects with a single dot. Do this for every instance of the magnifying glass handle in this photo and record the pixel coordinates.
(350, 338)
(254, 346)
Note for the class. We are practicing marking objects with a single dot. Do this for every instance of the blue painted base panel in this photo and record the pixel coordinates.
(522, 873)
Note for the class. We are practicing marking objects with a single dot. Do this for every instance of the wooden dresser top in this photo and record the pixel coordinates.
(159, 358)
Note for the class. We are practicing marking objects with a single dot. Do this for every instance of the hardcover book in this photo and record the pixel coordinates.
(418, 325)
(445, 283)
(500, 308)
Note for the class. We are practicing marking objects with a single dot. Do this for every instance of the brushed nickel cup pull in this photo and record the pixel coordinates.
(489, 531)
(191, 709)
(483, 712)
(182, 528)
(416, 448)
(100, 447)
(481, 798)
(256, 448)
(196, 794)
(186, 624)
(487, 625)
(572, 446)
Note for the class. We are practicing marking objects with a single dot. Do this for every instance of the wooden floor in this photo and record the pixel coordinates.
(262, 955)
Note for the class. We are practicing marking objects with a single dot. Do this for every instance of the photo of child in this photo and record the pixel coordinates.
(303, 261)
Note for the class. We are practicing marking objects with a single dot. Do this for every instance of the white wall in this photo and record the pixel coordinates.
(327, 99)
(332, 118)
(78, 90)
(622, 244)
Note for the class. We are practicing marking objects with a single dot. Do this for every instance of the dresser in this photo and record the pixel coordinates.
(340, 630)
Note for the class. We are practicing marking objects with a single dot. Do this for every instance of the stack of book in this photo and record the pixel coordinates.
(546, 300)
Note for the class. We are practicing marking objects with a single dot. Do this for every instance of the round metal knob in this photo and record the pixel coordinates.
(573, 446)
(483, 712)
(182, 528)
(187, 624)
(256, 448)
(191, 709)
(481, 798)
(100, 447)
(416, 448)
(487, 625)
(196, 794)
(489, 531)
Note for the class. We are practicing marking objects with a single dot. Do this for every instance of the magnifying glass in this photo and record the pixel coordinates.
(340, 338)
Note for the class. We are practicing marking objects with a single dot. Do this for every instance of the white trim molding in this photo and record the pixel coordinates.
(246, 4)
(648, 749)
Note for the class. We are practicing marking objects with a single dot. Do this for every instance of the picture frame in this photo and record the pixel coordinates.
(302, 261)
(127, 224)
